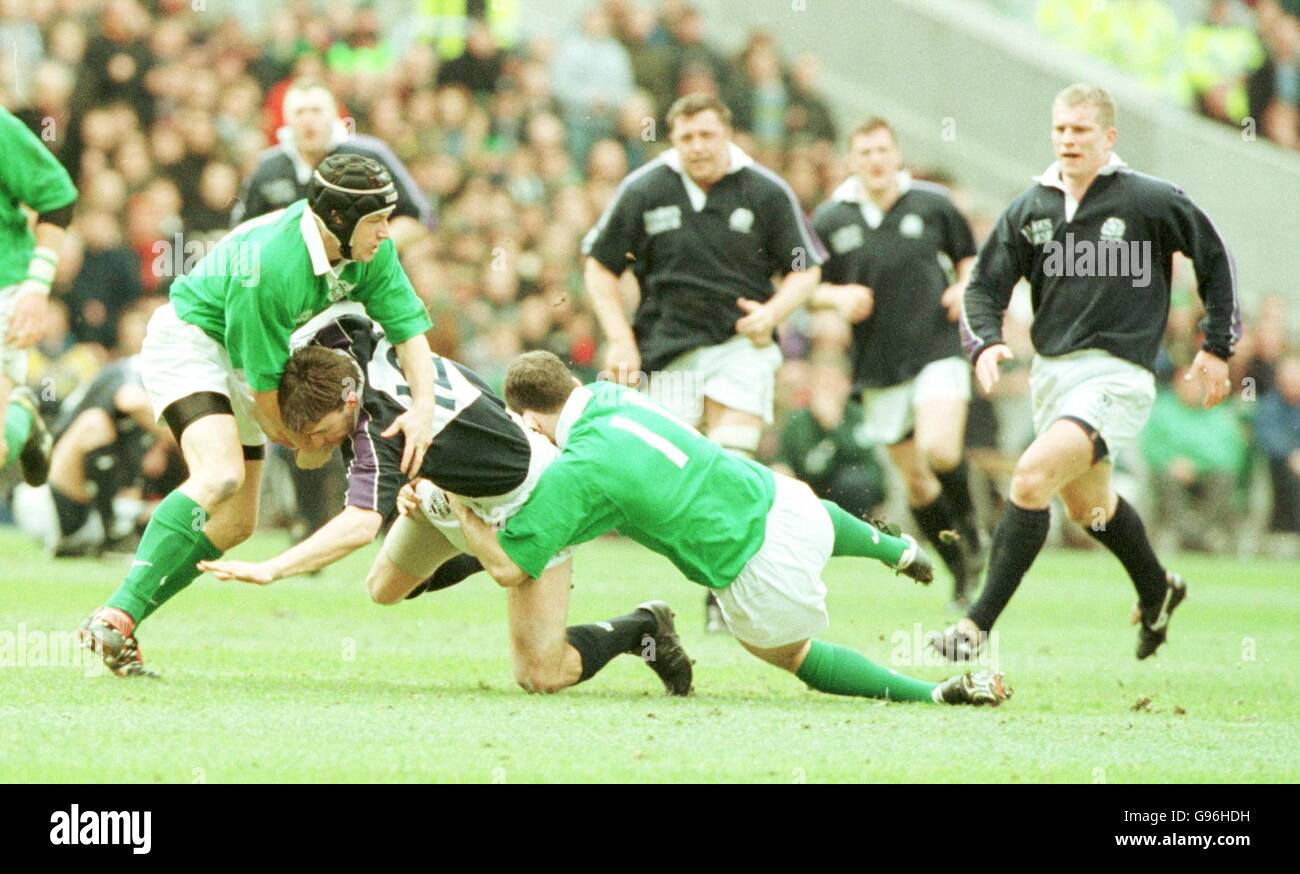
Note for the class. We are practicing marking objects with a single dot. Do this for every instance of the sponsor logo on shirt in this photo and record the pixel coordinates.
(280, 192)
(846, 239)
(339, 289)
(911, 226)
(665, 218)
(741, 220)
(1037, 232)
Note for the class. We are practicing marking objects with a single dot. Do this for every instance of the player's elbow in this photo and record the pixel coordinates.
(509, 578)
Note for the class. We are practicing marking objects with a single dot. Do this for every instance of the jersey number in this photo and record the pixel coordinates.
(651, 439)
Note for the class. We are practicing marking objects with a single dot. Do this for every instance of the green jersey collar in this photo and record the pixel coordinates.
(320, 262)
(573, 409)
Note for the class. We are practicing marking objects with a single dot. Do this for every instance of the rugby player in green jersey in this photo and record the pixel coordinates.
(31, 179)
(759, 540)
(213, 358)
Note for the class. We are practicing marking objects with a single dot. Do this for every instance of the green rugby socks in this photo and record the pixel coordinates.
(855, 537)
(838, 670)
(18, 427)
(172, 544)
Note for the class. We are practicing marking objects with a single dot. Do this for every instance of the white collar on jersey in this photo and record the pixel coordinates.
(1051, 177)
(739, 161)
(573, 408)
(320, 262)
(851, 191)
(339, 133)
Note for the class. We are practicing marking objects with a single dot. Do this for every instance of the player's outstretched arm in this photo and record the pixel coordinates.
(339, 537)
(483, 541)
(415, 359)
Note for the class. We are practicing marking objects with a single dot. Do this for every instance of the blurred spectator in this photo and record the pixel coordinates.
(1277, 429)
(109, 280)
(1274, 88)
(479, 68)
(591, 75)
(825, 445)
(1218, 53)
(1195, 456)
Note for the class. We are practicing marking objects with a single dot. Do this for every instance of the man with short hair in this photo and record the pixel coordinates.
(759, 540)
(312, 132)
(1096, 240)
(31, 177)
(900, 254)
(704, 229)
(343, 387)
(213, 358)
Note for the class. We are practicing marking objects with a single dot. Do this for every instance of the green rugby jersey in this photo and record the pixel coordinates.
(270, 275)
(627, 464)
(31, 175)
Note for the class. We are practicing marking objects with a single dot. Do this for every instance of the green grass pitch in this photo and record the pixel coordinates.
(308, 681)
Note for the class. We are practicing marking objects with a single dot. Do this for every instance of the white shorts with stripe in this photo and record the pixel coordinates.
(178, 360)
(1112, 395)
(779, 597)
(890, 413)
(736, 374)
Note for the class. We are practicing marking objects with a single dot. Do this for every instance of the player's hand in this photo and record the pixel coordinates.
(986, 366)
(1211, 372)
(623, 362)
(27, 322)
(855, 302)
(407, 499)
(4, 447)
(951, 300)
(758, 323)
(416, 425)
(253, 572)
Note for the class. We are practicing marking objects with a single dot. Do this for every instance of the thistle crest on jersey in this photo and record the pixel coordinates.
(1113, 229)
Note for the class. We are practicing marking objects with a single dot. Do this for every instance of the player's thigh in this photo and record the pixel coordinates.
(940, 430)
(1061, 453)
(788, 658)
(538, 614)
(411, 552)
(1089, 498)
(92, 429)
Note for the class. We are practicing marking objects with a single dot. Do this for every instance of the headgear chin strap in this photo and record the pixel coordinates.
(347, 188)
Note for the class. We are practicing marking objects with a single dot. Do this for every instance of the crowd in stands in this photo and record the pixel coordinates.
(1237, 62)
(160, 111)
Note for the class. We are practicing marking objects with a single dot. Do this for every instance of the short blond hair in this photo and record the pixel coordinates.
(1093, 95)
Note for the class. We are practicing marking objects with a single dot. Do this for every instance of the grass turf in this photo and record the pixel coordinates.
(308, 681)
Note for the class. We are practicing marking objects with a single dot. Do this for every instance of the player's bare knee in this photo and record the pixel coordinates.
(1031, 487)
(91, 430)
(941, 458)
(218, 483)
(381, 590)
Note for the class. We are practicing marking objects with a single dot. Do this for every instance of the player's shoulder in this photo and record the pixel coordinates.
(272, 159)
(646, 178)
(1146, 185)
(766, 181)
(931, 194)
(832, 213)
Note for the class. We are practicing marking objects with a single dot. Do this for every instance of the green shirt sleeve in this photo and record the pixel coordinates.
(29, 171)
(389, 299)
(258, 326)
(565, 508)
